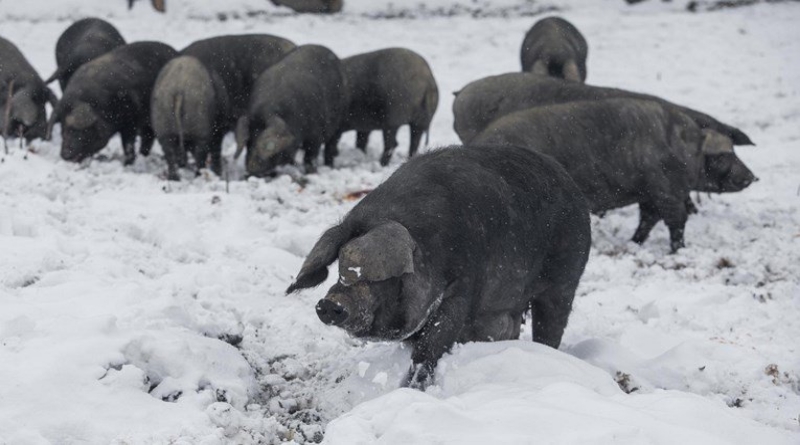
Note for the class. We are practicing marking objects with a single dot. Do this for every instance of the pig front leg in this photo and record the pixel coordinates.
(128, 136)
(332, 149)
(437, 337)
(148, 137)
(674, 213)
(362, 139)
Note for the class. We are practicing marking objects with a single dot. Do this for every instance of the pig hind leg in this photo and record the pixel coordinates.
(389, 144)
(554, 289)
(550, 311)
(172, 155)
(648, 218)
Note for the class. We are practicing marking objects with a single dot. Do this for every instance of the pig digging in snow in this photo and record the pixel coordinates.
(295, 104)
(626, 151)
(454, 247)
(22, 95)
(189, 110)
(109, 95)
(555, 47)
(387, 89)
(485, 100)
(83, 41)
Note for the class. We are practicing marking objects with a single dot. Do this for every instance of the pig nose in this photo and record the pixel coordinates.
(331, 312)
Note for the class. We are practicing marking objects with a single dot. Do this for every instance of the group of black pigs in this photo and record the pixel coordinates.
(456, 245)
(276, 97)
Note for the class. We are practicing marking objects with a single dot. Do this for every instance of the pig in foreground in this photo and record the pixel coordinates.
(490, 98)
(296, 104)
(22, 95)
(387, 89)
(83, 41)
(555, 47)
(109, 95)
(189, 109)
(238, 60)
(627, 151)
(454, 247)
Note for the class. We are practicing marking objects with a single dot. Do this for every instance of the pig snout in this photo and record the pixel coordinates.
(331, 312)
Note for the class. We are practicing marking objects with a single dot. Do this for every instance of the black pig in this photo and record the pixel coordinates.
(490, 98)
(626, 151)
(387, 89)
(190, 110)
(22, 95)
(555, 47)
(454, 247)
(238, 60)
(83, 41)
(109, 95)
(297, 103)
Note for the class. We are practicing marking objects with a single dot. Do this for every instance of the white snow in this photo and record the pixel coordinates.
(133, 310)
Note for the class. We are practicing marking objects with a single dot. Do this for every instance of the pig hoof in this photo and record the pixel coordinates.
(675, 245)
(638, 238)
(419, 377)
(129, 160)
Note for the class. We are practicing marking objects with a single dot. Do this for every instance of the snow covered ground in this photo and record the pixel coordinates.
(133, 310)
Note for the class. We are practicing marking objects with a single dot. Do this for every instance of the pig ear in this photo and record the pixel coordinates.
(571, 71)
(81, 117)
(315, 267)
(242, 135)
(715, 143)
(387, 251)
(539, 67)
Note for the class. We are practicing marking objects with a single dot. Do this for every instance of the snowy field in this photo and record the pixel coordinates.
(133, 310)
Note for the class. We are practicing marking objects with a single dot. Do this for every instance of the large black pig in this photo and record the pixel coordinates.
(387, 89)
(295, 104)
(490, 98)
(454, 247)
(189, 109)
(626, 151)
(22, 95)
(238, 60)
(109, 95)
(83, 41)
(555, 47)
